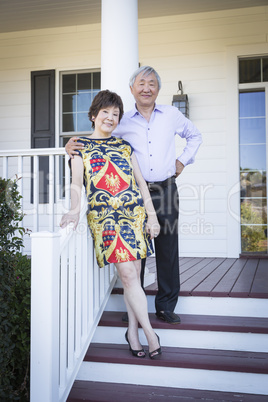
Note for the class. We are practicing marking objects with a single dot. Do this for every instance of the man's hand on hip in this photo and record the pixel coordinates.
(179, 167)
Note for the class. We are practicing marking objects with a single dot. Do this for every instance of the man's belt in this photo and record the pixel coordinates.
(157, 185)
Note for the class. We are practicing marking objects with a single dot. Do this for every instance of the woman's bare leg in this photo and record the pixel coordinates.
(136, 304)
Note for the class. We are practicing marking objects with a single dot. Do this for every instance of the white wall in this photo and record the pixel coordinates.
(193, 48)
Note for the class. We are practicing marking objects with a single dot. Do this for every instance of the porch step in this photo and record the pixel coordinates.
(197, 305)
(196, 322)
(109, 392)
(204, 359)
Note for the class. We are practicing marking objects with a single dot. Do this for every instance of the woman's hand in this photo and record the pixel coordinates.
(70, 217)
(152, 226)
(72, 146)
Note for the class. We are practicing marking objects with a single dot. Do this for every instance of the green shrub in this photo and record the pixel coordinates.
(15, 276)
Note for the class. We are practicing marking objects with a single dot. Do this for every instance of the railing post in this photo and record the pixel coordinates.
(45, 317)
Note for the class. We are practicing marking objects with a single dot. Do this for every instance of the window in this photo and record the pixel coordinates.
(78, 89)
(253, 155)
(253, 70)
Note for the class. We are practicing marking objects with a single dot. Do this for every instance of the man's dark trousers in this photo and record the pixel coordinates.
(166, 203)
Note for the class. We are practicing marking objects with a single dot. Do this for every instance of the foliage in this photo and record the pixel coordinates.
(254, 238)
(15, 274)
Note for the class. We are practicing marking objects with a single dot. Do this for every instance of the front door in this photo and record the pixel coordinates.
(253, 101)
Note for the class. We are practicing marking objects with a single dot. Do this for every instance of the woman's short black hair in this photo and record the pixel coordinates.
(102, 100)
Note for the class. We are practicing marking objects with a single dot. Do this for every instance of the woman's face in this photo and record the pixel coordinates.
(106, 120)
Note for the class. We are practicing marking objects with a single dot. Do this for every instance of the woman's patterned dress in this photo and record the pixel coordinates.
(116, 214)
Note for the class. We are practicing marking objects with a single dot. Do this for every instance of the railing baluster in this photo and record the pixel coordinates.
(67, 184)
(36, 193)
(78, 291)
(20, 188)
(51, 192)
(85, 269)
(5, 167)
(63, 317)
(91, 282)
(71, 302)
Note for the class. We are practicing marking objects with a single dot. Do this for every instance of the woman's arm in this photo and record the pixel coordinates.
(76, 188)
(152, 226)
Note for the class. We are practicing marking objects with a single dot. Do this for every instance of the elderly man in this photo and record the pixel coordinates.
(150, 129)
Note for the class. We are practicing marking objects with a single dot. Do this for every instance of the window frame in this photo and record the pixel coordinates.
(67, 135)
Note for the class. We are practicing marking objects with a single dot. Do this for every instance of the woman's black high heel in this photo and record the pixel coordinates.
(135, 353)
(156, 352)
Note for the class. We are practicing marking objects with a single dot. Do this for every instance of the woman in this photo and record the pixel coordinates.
(121, 216)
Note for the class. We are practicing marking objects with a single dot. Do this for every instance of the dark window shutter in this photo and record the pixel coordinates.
(43, 122)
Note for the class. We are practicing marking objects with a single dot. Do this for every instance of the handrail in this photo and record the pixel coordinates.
(33, 152)
(68, 296)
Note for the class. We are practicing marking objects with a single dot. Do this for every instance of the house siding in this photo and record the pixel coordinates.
(193, 48)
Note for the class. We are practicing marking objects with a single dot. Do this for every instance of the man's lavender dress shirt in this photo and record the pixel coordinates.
(154, 142)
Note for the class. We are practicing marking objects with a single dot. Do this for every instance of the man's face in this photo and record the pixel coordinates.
(145, 90)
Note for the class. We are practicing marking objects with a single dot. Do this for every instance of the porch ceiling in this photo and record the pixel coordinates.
(20, 15)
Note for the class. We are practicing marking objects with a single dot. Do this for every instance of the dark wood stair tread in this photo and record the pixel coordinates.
(206, 359)
(113, 392)
(196, 322)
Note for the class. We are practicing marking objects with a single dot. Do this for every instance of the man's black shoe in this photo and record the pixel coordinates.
(125, 317)
(168, 316)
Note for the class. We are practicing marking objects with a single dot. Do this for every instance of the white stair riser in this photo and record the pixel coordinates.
(191, 339)
(226, 306)
(175, 377)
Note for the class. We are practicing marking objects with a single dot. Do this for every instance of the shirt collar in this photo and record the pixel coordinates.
(134, 111)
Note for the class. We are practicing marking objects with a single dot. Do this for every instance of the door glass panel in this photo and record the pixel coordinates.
(253, 184)
(252, 157)
(253, 166)
(251, 104)
(252, 131)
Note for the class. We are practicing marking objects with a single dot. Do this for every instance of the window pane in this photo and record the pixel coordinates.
(96, 81)
(83, 122)
(68, 103)
(252, 157)
(265, 69)
(253, 211)
(68, 122)
(251, 104)
(84, 82)
(68, 83)
(253, 184)
(249, 70)
(252, 131)
(83, 102)
(254, 239)
(77, 95)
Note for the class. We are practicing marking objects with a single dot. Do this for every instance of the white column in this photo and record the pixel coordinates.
(119, 47)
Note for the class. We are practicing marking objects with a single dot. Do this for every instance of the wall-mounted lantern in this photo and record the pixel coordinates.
(181, 101)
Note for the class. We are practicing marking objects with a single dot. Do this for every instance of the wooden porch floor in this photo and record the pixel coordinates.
(220, 277)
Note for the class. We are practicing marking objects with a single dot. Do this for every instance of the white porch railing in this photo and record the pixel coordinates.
(24, 165)
(69, 293)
